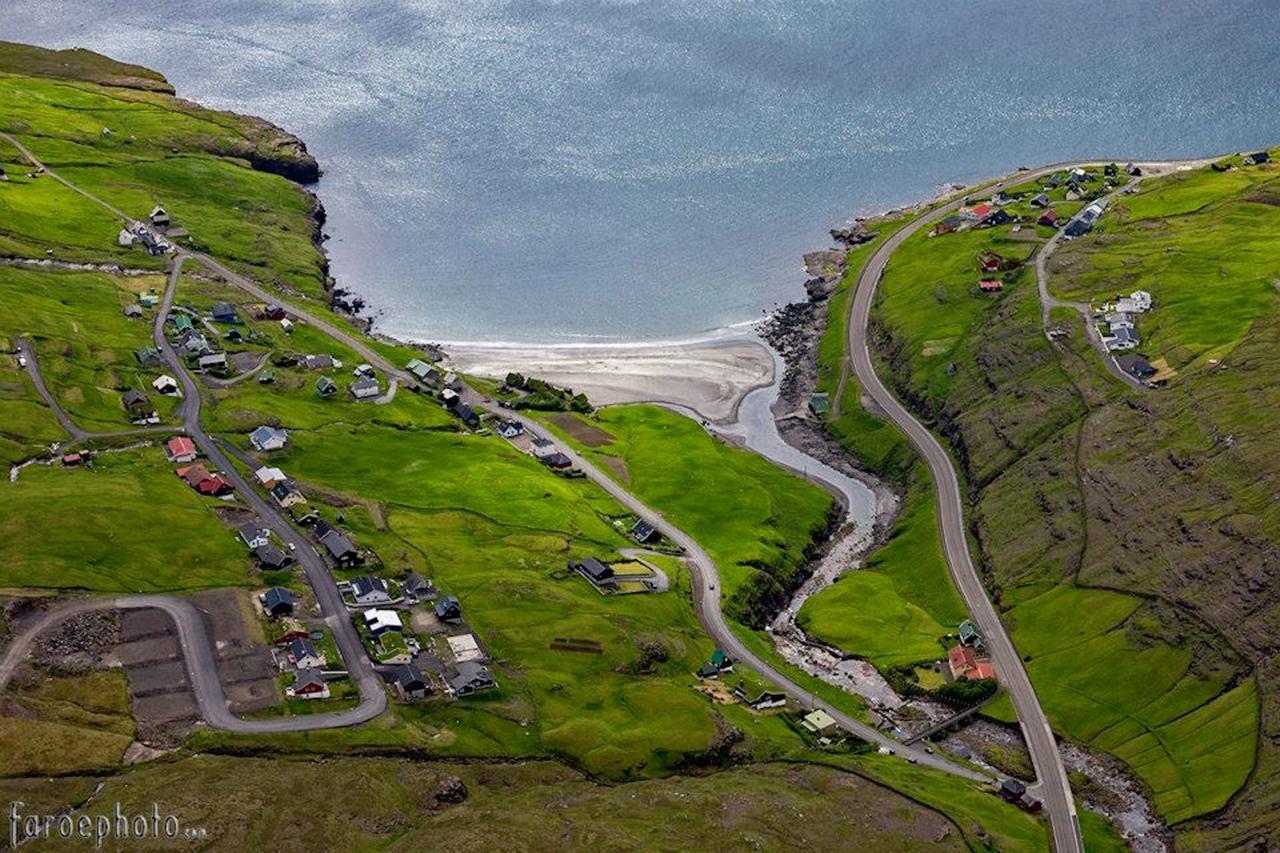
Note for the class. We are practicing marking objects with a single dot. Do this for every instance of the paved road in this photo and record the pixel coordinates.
(373, 698)
(1054, 790)
(77, 434)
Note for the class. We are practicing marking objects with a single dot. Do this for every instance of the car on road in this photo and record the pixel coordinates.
(22, 361)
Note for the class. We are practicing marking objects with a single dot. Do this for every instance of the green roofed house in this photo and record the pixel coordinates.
(969, 635)
(418, 368)
(181, 322)
(819, 404)
(148, 300)
(720, 663)
(148, 356)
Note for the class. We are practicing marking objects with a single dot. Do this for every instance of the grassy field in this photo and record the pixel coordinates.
(1060, 459)
(126, 525)
(84, 342)
(68, 724)
(761, 520)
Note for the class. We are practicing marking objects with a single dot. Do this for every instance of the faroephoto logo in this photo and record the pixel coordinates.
(98, 829)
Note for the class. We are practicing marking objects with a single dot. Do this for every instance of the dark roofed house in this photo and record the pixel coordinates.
(1257, 158)
(135, 401)
(557, 460)
(819, 404)
(254, 535)
(326, 387)
(273, 312)
(148, 356)
(224, 312)
(304, 655)
(340, 547)
(471, 677)
(1012, 790)
(277, 601)
(593, 570)
(999, 216)
(270, 557)
(719, 663)
(1041, 200)
(367, 589)
(768, 699)
(948, 225)
(416, 586)
(467, 415)
(1136, 366)
(1049, 217)
(133, 310)
(645, 533)
(365, 388)
(1076, 228)
(309, 684)
(448, 609)
(409, 682)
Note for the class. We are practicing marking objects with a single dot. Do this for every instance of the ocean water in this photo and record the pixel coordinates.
(577, 171)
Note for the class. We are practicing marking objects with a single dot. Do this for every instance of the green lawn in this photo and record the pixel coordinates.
(755, 519)
(67, 724)
(126, 525)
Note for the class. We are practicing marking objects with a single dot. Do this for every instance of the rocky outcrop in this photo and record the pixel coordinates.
(854, 235)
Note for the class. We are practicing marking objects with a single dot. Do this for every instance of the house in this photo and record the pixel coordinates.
(464, 648)
(71, 460)
(254, 535)
(304, 655)
(948, 225)
(133, 310)
(819, 722)
(270, 557)
(557, 461)
(214, 485)
(467, 415)
(191, 344)
(964, 664)
(1136, 366)
(363, 370)
(990, 262)
(136, 402)
(991, 285)
(286, 495)
(268, 438)
(181, 323)
(1076, 228)
(969, 634)
(510, 429)
(593, 570)
(416, 587)
(1041, 200)
(320, 362)
(234, 335)
(1012, 790)
(165, 384)
(148, 300)
(268, 477)
(273, 312)
(719, 664)
(1049, 217)
(364, 388)
(148, 356)
(326, 387)
(767, 700)
(542, 447)
(977, 213)
(1257, 159)
(380, 622)
(180, 449)
(1121, 339)
(125, 239)
(224, 312)
(471, 677)
(1131, 169)
(277, 601)
(1001, 198)
(159, 217)
(213, 362)
(192, 474)
(996, 217)
(340, 547)
(286, 325)
(645, 533)
(819, 404)
(1110, 170)
(266, 377)
(448, 609)
(1119, 320)
(1140, 300)
(308, 684)
(367, 590)
(419, 368)
(409, 683)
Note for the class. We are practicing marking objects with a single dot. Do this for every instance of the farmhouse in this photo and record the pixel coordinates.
(133, 310)
(469, 678)
(277, 601)
(180, 449)
(1041, 200)
(409, 682)
(254, 535)
(159, 217)
(136, 402)
(767, 700)
(467, 415)
(268, 438)
(556, 461)
(181, 323)
(419, 368)
(367, 590)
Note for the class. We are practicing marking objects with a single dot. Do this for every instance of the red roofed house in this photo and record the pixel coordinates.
(977, 213)
(963, 662)
(214, 485)
(990, 285)
(181, 449)
(990, 262)
(72, 459)
(1049, 217)
(193, 475)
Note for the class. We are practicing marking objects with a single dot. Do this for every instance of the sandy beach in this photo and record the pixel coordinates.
(709, 377)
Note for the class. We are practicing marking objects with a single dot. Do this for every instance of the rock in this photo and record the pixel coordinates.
(451, 790)
(853, 235)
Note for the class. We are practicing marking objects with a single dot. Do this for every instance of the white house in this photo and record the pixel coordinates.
(365, 388)
(381, 621)
(165, 384)
(268, 477)
(1121, 339)
(268, 438)
(287, 325)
